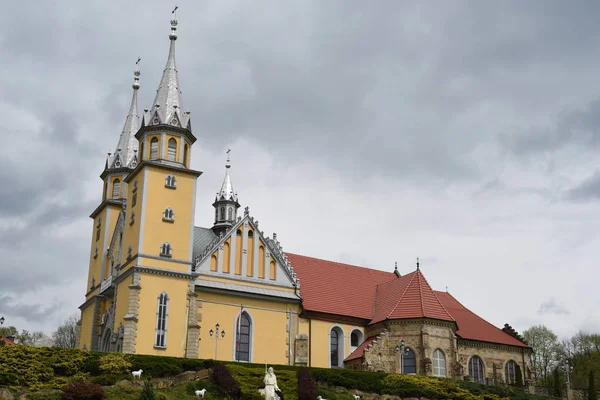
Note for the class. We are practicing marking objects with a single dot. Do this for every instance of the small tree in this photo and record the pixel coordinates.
(65, 335)
(307, 388)
(148, 391)
(592, 394)
(557, 392)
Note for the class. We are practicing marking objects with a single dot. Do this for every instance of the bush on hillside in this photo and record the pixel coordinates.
(307, 388)
(83, 391)
(115, 364)
(225, 383)
(148, 391)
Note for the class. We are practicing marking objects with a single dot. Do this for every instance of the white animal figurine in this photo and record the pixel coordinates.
(356, 397)
(137, 373)
(200, 393)
(320, 398)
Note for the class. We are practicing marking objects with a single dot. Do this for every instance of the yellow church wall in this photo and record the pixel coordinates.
(319, 342)
(238, 254)
(261, 261)
(131, 231)
(87, 315)
(250, 256)
(226, 255)
(269, 334)
(122, 298)
(176, 289)
(155, 231)
(108, 218)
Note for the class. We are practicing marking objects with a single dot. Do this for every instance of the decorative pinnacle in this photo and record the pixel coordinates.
(173, 35)
(396, 265)
(417, 263)
(136, 75)
(228, 164)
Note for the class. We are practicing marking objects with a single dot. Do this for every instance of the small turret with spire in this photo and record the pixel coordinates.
(125, 155)
(226, 202)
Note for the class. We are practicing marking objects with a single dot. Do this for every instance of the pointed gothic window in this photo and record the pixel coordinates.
(172, 149)
(222, 212)
(243, 337)
(154, 148)
(168, 215)
(238, 232)
(409, 362)
(511, 369)
(165, 249)
(250, 234)
(230, 214)
(162, 313)
(116, 192)
(439, 363)
(476, 369)
(185, 155)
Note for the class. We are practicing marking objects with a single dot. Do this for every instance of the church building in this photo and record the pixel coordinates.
(160, 285)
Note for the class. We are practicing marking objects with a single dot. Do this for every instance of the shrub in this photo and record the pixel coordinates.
(307, 388)
(83, 391)
(114, 364)
(148, 391)
(46, 395)
(225, 383)
(592, 394)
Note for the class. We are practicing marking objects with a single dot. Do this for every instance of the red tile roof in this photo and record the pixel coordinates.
(353, 291)
(408, 297)
(471, 326)
(360, 350)
(336, 288)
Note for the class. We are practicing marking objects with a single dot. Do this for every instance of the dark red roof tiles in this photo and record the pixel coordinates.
(360, 350)
(471, 326)
(336, 288)
(348, 290)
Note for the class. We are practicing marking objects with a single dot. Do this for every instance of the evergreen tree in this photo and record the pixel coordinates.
(592, 394)
(557, 392)
(148, 392)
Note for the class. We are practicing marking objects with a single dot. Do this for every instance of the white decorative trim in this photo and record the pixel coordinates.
(143, 213)
(166, 319)
(235, 329)
(341, 354)
(163, 145)
(193, 216)
(168, 215)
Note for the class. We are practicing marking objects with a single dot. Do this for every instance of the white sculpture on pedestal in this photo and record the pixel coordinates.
(270, 386)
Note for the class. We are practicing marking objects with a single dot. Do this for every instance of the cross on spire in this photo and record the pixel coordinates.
(417, 263)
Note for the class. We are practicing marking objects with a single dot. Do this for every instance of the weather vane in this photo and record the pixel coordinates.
(174, 12)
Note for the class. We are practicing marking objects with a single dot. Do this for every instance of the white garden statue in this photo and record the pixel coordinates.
(270, 386)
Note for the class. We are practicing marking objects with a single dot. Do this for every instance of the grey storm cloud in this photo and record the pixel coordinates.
(448, 95)
(551, 306)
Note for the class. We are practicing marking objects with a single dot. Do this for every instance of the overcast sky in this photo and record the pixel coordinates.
(463, 133)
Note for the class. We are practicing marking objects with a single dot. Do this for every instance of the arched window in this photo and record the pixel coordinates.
(162, 313)
(165, 249)
(476, 369)
(185, 155)
(336, 347)
(230, 214)
(116, 192)
(170, 181)
(172, 149)
(243, 327)
(222, 213)
(168, 214)
(510, 372)
(250, 234)
(238, 232)
(154, 148)
(356, 338)
(439, 363)
(409, 362)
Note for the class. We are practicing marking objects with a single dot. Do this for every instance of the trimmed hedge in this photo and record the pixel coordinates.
(38, 367)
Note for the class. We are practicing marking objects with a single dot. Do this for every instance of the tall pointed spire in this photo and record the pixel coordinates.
(166, 108)
(126, 152)
(226, 203)
(227, 192)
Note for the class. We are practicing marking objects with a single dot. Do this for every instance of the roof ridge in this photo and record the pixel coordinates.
(418, 275)
(339, 263)
(439, 301)
(401, 297)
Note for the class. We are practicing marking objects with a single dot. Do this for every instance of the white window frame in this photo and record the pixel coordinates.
(438, 364)
(162, 331)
